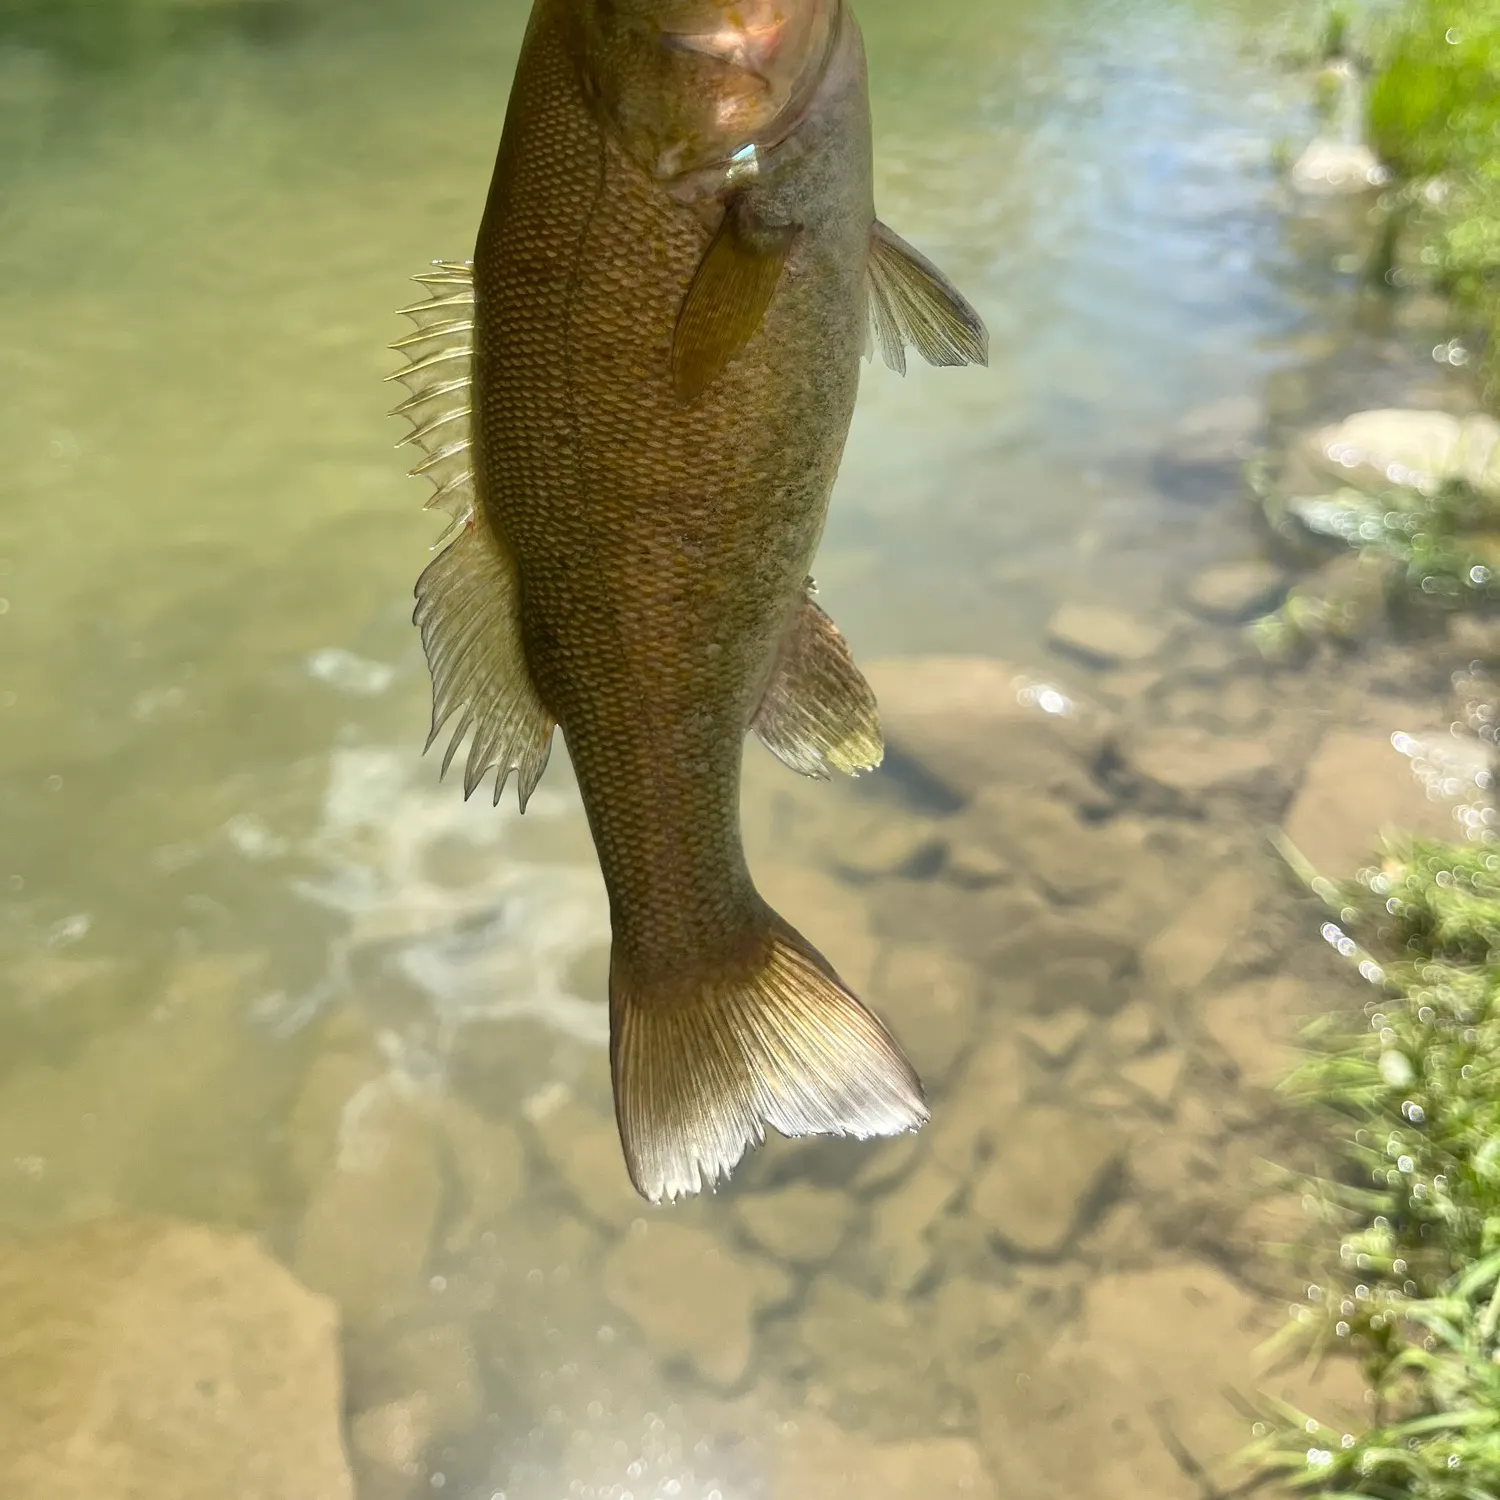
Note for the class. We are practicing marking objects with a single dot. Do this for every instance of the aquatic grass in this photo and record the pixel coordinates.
(1412, 1284)
(1437, 547)
(1433, 114)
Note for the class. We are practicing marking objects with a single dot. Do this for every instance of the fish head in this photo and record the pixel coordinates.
(688, 85)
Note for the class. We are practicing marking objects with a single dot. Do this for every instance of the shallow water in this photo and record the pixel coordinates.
(241, 919)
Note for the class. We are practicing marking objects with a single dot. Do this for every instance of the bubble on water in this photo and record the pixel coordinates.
(69, 930)
(253, 838)
(349, 673)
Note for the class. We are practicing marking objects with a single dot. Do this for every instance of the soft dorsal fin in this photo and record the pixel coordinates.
(468, 597)
(818, 714)
(728, 298)
(912, 302)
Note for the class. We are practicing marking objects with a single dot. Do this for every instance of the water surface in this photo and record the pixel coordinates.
(239, 915)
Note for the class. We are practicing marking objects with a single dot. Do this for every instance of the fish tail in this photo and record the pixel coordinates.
(707, 1053)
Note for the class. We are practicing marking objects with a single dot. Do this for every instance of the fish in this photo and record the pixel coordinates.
(632, 403)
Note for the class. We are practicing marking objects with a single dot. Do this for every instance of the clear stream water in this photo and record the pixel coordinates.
(212, 701)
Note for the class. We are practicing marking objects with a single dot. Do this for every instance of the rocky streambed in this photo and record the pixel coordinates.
(1060, 892)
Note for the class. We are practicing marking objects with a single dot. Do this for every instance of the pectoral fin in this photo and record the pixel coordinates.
(728, 298)
(912, 302)
(819, 714)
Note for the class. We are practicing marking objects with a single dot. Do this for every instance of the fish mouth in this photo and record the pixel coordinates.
(763, 51)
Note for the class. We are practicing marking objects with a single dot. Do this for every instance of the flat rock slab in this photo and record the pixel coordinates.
(966, 722)
(368, 1228)
(1136, 1382)
(1357, 787)
(1180, 768)
(1047, 1167)
(1396, 445)
(1104, 637)
(146, 1358)
(821, 1461)
(799, 1223)
(1328, 168)
(1234, 592)
(1192, 945)
(694, 1300)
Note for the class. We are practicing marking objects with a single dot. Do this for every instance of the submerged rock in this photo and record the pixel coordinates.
(800, 1223)
(1056, 1037)
(1049, 1168)
(821, 1461)
(900, 1251)
(436, 1364)
(930, 999)
(489, 1161)
(1104, 637)
(985, 1103)
(1130, 1401)
(169, 1112)
(965, 722)
(1156, 1076)
(1193, 944)
(1410, 447)
(583, 1149)
(388, 1443)
(1234, 592)
(1357, 786)
(1180, 769)
(693, 1299)
(1252, 1023)
(1069, 860)
(164, 1360)
(870, 1362)
(368, 1228)
(1331, 166)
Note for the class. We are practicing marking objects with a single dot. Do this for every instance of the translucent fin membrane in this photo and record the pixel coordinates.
(468, 598)
(438, 376)
(708, 1055)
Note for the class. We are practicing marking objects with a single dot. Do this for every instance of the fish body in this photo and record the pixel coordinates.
(676, 275)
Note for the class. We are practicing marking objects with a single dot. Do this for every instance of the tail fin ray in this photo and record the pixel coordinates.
(700, 1069)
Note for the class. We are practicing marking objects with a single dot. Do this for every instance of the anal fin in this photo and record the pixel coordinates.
(819, 714)
(912, 302)
(730, 292)
(468, 610)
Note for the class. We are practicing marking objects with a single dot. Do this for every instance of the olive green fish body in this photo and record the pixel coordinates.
(635, 403)
(663, 547)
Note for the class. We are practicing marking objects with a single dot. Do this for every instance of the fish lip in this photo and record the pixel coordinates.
(746, 160)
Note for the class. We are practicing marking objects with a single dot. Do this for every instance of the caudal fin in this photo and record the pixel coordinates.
(770, 1036)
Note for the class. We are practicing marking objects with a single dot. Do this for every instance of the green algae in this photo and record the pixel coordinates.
(1435, 548)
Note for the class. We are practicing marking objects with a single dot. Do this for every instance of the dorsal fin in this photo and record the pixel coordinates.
(468, 597)
(438, 378)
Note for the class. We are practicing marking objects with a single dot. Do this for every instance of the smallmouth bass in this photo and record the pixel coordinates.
(633, 403)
